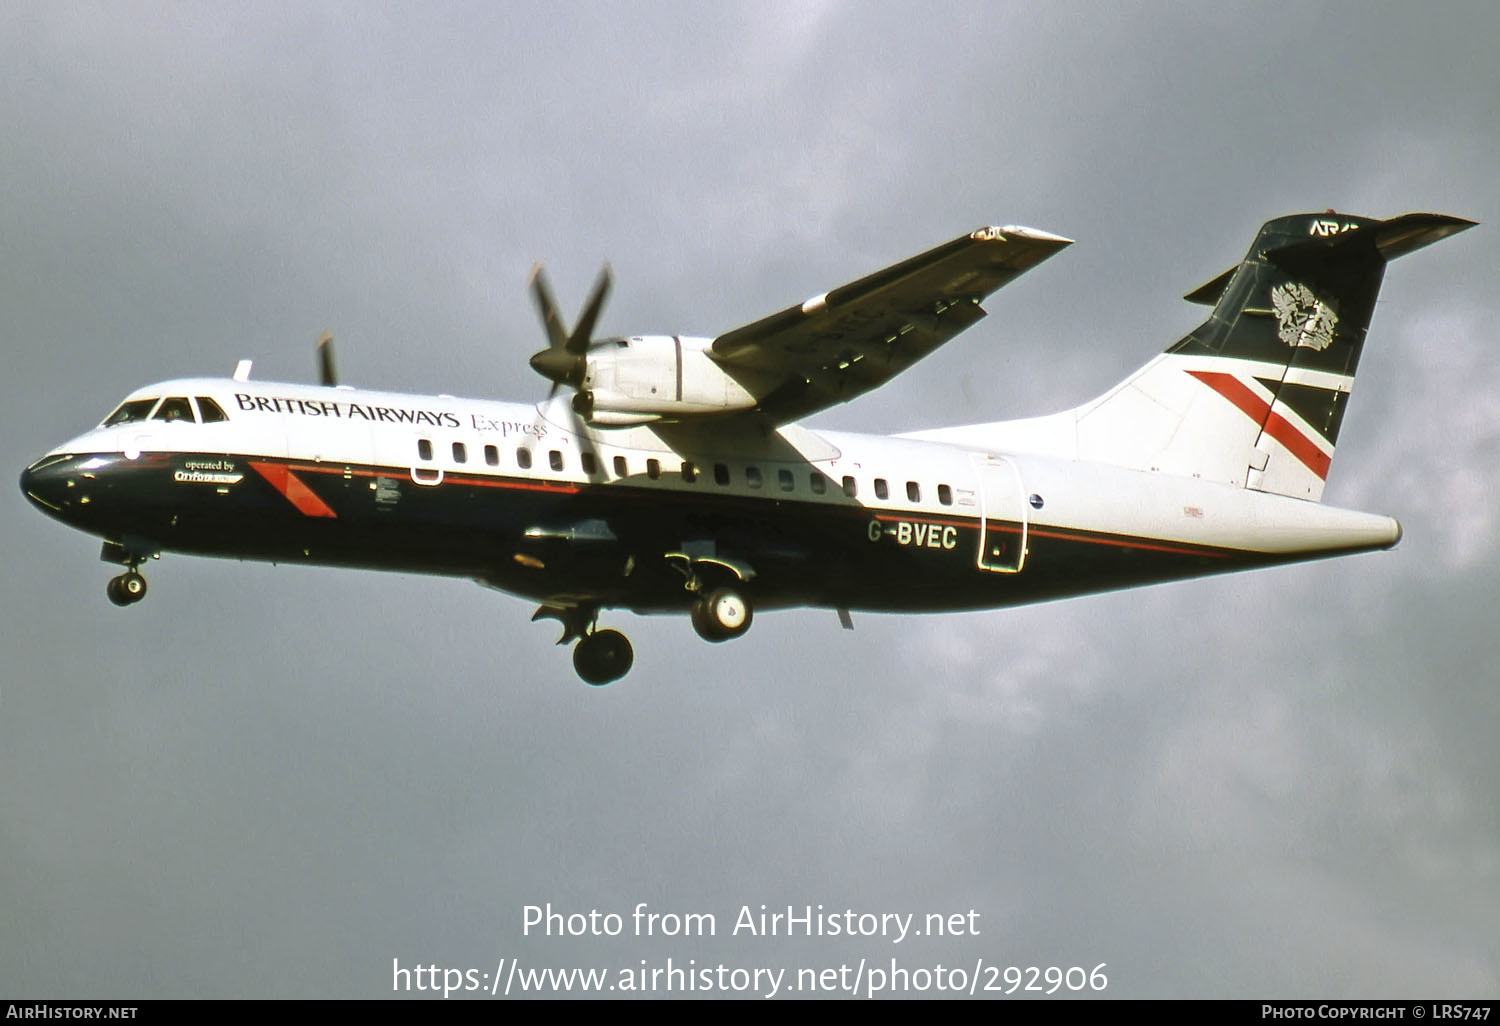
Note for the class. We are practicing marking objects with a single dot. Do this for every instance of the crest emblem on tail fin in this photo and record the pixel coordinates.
(1302, 319)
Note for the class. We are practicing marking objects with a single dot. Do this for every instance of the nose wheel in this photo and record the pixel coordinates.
(602, 657)
(126, 589)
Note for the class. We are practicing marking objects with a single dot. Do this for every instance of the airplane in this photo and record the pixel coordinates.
(677, 479)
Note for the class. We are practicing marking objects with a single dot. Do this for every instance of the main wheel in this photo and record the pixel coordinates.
(722, 614)
(602, 657)
(133, 585)
(116, 591)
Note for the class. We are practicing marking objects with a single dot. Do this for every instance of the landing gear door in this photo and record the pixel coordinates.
(1002, 515)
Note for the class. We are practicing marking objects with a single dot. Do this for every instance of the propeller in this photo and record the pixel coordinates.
(326, 373)
(565, 360)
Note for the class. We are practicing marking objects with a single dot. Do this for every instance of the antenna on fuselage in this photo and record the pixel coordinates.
(327, 375)
(242, 370)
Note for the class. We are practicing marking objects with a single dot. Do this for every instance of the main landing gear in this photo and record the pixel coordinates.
(720, 611)
(126, 589)
(721, 614)
(602, 657)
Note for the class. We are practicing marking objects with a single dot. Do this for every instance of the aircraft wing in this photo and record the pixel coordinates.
(856, 337)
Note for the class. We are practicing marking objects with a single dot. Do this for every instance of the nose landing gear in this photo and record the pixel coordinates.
(130, 587)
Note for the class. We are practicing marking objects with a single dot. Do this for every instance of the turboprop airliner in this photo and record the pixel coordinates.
(675, 478)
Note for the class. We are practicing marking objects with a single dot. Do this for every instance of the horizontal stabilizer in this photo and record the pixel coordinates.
(1209, 294)
(1336, 236)
(1390, 239)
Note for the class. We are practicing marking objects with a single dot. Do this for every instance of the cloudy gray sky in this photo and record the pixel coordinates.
(272, 781)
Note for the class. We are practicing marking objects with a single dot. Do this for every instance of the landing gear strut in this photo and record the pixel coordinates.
(722, 614)
(126, 589)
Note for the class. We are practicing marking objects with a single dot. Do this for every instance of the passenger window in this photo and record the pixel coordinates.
(653, 470)
(620, 468)
(424, 448)
(209, 411)
(590, 465)
(555, 459)
(523, 458)
(175, 408)
(460, 454)
(784, 477)
(945, 495)
(721, 474)
(850, 488)
(492, 455)
(129, 413)
(881, 491)
(819, 483)
(913, 492)
(689, 472)
(752, 476)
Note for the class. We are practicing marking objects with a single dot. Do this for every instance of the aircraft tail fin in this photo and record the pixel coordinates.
(1256, 394)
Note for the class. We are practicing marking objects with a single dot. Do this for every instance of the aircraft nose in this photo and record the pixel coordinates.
(45, 481)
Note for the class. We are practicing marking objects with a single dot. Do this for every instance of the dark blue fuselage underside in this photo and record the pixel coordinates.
(601, 544)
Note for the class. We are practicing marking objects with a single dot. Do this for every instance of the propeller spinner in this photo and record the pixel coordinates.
(565, 360)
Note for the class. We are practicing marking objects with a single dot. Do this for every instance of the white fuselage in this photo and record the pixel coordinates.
(428, 440)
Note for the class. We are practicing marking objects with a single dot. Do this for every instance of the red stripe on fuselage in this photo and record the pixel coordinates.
(297, 493)
(1272, 423)
(464, 479)
(1062, 534)
(672, 494)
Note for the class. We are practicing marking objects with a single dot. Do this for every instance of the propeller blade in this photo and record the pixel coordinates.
(578, 342)
(557, 332)
(565, 360)
(326, 373)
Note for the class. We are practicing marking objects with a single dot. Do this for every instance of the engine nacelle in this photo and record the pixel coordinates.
(658, 377)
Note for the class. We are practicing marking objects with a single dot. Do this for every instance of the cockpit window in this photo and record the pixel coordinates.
(129, 413)
(209, 411)
(174, 408)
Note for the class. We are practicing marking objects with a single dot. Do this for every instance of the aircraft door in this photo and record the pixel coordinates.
(422, 472)
(1002, 515)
